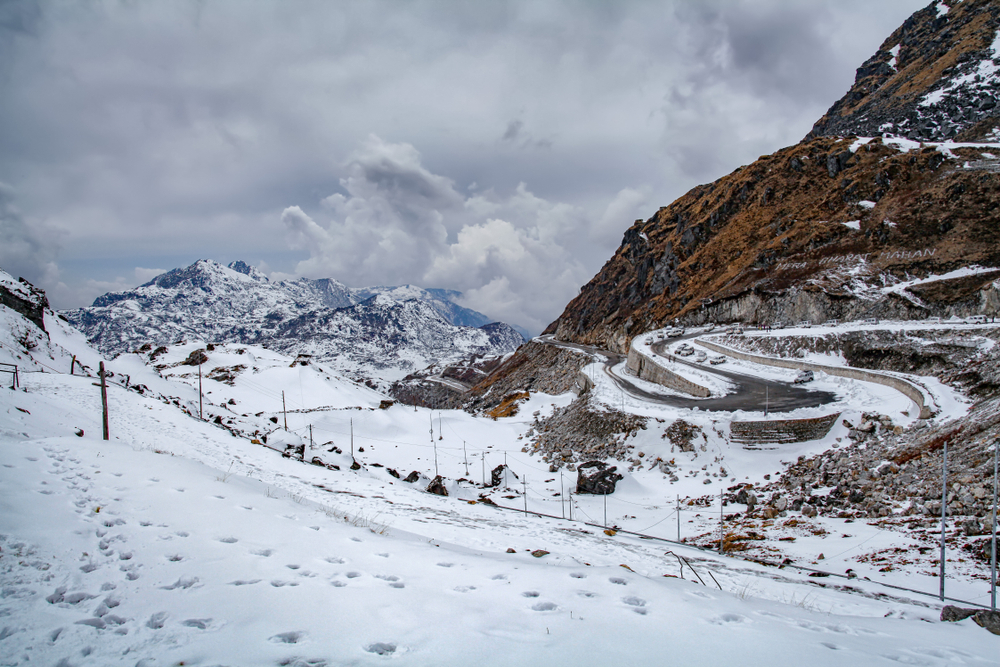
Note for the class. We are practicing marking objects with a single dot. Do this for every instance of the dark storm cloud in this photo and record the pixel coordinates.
(469, 139)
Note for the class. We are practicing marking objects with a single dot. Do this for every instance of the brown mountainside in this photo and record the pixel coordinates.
(817, 230)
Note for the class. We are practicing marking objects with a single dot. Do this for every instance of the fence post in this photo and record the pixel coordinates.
(104, 402)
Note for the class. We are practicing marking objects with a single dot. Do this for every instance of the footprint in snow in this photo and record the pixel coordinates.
(262, 552)
(338, 583)
(288, 637)
(544, 606)
(382, 648)
(244, 582)
(578, 575)
(499, 577)
(157, 620)
(728, 618)
(293, 566)
(228, 540)
(278, 583)
(247, 507)
(530, 594)
(220, 497)
(618, 580)
(335, 560)
(352, 575)
(145, 524)
(638, 604)
(830, 646)
(183, 582)
(387, 577)
(445, 564)
(355, 539)
(587, 594)
(200, 623)
(464, 589)
(182, 533)
(175, 558)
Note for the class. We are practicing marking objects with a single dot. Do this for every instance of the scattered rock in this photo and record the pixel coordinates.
(953, 614)
(538, 553)
(596, 477)
(437, 487)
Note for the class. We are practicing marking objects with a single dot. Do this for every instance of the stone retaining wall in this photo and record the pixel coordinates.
(781, 431)
(648, 369)
(908, 389)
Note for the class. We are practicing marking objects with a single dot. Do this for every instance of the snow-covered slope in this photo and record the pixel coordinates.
(182, 541)
(382, 332)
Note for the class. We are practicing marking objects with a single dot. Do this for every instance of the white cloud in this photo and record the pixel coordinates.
(145, 275)
(517, 257)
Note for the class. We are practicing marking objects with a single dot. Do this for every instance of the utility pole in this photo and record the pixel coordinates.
(434, 445)
(722, 521)
(104, 402)
(72, 365)
(440, 430)
(483, 457)
(352, 440)
(944, 510)
(284, 410)
(311, 437)
(765, 399)
(506, 484)
(571, 504)
(200, 413)
(465, 455)
(605, 509)
(525, 481)
(993, 538)
(678, 517)
(562, 494)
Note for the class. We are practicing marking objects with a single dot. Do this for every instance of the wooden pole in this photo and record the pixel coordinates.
(311, 437)
(284, 410)
(72, 365)
(104, 403)
(465, 455)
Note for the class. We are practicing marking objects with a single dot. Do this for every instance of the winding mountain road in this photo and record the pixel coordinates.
(752, 393)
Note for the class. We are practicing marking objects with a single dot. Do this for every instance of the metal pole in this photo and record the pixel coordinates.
(605, 509)
(993, 538)
(722, 528)
(484, 468)
(72, 365)
(352, 440)
(765, 399)
(525, 482)
(944, 510)
(434, 445)
(311, 437)
(104, 403)
(440, 430)
(571, 504)
(465, 455)
(678, 518)
(562, 495)
(200, 412)
(284, 410)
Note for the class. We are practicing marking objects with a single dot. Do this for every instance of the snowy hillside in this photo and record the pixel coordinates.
(380, 332)
(187, 540)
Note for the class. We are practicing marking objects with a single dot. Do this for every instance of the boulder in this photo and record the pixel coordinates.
(412, 477)
(437, 487)
(953, 614)
(596, 477)
(780, 503)
(746, 497)
(989, 620)
(497, 476)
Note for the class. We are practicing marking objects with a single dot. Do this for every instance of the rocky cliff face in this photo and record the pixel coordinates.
(836, 226)
(936, 77)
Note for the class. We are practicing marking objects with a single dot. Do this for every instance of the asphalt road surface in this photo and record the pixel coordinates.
(752, 393)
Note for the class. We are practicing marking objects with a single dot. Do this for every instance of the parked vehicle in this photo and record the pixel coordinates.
(684, 350)
(805, 324)
(649, 339)
(715, 361)
(710, 327)
(976, 319)
(674, 333)
(738, 331)
(700, 357)
(870, 320)
(832, 323)
(779, 325)
(803, 377)
(933, 320)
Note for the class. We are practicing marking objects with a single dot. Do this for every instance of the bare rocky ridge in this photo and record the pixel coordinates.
(931, 79)
(818, 230)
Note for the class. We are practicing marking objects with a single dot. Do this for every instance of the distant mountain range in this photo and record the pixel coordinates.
(380, 333)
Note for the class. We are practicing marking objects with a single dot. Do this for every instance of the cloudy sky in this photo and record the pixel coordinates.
(497, 148)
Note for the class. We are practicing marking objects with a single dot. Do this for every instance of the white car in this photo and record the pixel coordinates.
(715, 361)
(870, 320)
(700, 357)
(832, 323)
(684, 350)
(674, 333)
(803, 377)
(710, 327)
(805, 324)
(933, 320)
(976, 319)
